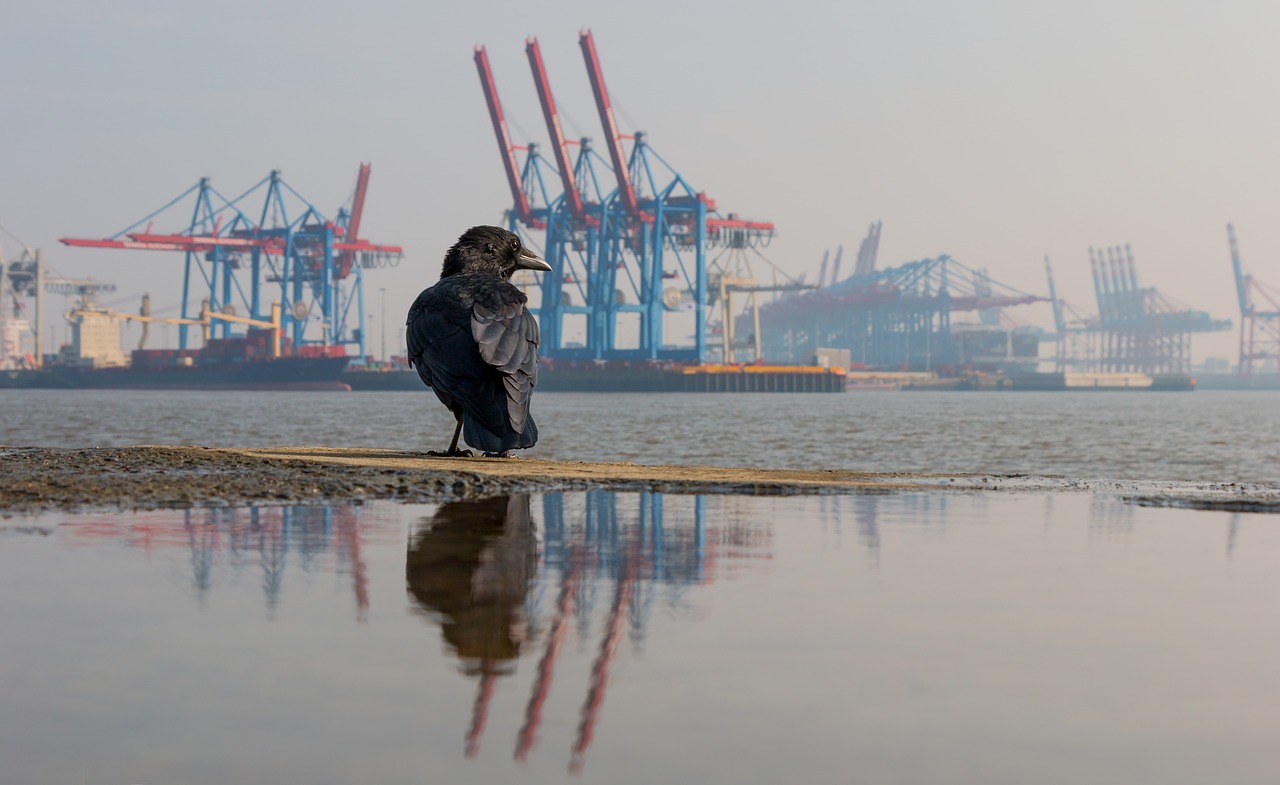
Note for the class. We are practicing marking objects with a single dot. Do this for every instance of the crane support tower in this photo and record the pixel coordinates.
(626, 236)
(314, 264)
(1259, 319)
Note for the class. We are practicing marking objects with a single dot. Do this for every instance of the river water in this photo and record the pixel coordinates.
(1199, 436)
(641, 638)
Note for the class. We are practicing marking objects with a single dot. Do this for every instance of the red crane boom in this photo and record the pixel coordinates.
(612, 138)
(201, 243)
(353, 224)
(558, 142)
(508, 150)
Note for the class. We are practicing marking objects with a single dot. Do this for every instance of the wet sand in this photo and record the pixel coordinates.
(150, 477)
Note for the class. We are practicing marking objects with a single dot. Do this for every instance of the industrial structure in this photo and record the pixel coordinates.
(24, 282)
(92, 355)
(1259, 319)
(1136, 330)
(632, 243)
(899, 318)
(627, 236)
(235, 257)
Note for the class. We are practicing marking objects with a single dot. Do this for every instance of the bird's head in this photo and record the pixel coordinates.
(493, 250)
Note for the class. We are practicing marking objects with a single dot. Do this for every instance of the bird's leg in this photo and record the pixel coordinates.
(453, 451)
(453, 445)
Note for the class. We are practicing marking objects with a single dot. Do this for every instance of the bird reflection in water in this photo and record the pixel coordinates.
(471, 567)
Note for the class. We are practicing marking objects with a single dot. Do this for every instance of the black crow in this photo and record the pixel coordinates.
(475, 344)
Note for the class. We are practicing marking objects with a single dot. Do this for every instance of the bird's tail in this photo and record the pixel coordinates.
(479, 436)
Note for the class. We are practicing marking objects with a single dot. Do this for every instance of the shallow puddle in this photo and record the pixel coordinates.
(644, 638)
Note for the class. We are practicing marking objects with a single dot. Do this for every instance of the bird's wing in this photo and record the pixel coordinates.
(438, 336)
(467, 351)
(507, 336)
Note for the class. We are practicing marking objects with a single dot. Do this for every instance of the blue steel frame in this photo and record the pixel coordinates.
(307, 270)
(894, 318)
(610, 259)
(613, 264)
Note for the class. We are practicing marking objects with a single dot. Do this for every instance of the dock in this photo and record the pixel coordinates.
(760, 378)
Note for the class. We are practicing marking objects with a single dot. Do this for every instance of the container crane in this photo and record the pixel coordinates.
(292, 244)
(635, 252)
(1138, 329)
(1259, 326)
(897, 318)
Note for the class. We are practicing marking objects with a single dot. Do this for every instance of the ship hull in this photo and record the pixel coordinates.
(287, 374)
(395, 380)
(32, 379)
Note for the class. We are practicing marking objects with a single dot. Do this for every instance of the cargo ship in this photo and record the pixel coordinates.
(249, 362)
(285, 373)
(375, 376)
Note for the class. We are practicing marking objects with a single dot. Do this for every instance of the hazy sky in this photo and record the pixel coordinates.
(996, 132)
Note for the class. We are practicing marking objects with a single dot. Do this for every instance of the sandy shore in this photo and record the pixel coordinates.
(34, 478)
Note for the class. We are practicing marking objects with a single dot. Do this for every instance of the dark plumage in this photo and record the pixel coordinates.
(475, 344)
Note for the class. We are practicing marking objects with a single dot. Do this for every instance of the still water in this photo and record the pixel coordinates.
(1201, 436)
(640, 638)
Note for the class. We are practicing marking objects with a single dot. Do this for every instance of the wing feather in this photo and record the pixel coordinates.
(507, 337)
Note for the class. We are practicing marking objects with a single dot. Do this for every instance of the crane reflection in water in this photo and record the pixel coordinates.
(234, 540)
(504, 579)
(474, 566)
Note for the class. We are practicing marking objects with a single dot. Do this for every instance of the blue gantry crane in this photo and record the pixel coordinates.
(897, 318)
(626, 236)
(237, 260)
(1138, 328)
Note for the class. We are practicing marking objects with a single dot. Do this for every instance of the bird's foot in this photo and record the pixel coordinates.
(503, 454)
(450, 453)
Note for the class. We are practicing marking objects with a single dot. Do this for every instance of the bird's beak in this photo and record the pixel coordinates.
(531, 261)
